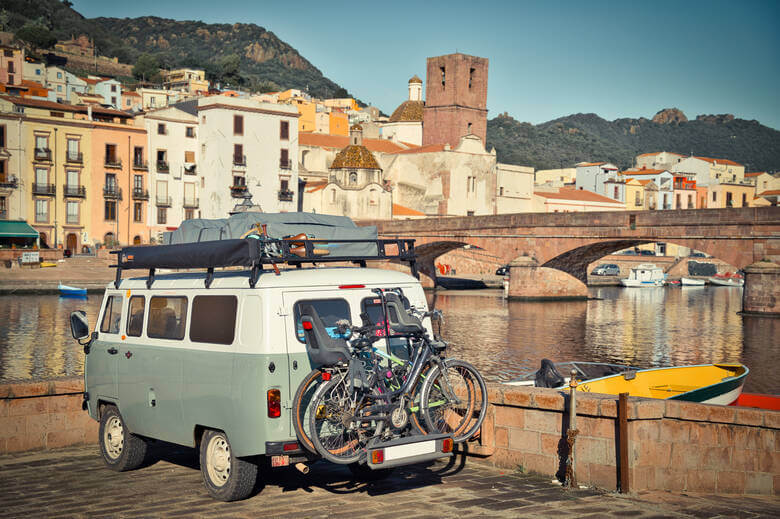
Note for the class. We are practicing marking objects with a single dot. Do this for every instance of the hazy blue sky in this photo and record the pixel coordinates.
(547, 58)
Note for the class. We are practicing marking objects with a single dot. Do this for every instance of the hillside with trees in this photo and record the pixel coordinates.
(240, 55)
(587, 137)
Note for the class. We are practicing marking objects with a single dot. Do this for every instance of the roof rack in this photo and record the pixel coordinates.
(256, 253)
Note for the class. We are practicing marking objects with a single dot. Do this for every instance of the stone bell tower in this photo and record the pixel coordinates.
(455, 99)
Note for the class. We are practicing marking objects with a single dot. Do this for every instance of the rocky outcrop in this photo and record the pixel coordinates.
(715, 119)
(670, 115)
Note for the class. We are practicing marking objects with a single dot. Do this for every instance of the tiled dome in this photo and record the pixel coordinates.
(408, 111)
(355, 157)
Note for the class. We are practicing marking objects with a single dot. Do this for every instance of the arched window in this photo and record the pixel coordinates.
(353, 177)
(108, 240)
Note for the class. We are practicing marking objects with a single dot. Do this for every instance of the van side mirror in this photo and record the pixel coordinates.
(79, 325)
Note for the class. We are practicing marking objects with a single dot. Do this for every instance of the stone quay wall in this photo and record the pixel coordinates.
(673, 445)
(44, 415)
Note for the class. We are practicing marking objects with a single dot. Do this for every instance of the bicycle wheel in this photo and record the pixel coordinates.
(337, 435)
(302, 407)
(454, 400)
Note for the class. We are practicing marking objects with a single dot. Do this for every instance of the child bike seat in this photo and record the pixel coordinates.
(400, 321)
(321, 347)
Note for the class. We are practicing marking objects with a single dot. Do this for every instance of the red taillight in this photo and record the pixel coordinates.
(377, 456)
(274, 403)
(352, 286)
(446, 445)
(325, 376)
(307, 325)
(290, 447)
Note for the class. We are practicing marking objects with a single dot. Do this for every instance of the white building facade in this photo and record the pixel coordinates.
(247, 149)
(591, 176)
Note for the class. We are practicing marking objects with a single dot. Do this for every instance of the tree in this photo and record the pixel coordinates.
(36, 36)
(147, 68)
(229, 68)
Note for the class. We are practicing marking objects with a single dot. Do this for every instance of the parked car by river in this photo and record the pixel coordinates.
(606, 269)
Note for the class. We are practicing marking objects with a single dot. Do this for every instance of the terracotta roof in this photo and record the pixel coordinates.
(771, 192)
(658, 153)
(645, 181)
(576, 194)
(354, 156)
(316, 186)
(408, 111)
(754, 173)
(90, 80)
(49, 105)
(586, 164)
(399, 210)
(428, 148)
(642, 172)
(719, 161)
(325, 140)
(415, 79)
(130, 93)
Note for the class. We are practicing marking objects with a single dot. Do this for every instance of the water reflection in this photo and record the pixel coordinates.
(644, 327)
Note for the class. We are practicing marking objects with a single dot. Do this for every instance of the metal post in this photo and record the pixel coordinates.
(623, 441)
(571, 434)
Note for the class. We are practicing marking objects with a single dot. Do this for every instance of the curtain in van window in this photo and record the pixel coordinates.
(213, 319)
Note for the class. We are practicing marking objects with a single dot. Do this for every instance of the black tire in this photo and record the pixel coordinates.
(461, 418)
(334, 440)
(226, 477)
(302, 406)
(121, 449)
(361, 472)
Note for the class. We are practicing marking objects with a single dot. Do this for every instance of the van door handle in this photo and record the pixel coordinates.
(113, 351)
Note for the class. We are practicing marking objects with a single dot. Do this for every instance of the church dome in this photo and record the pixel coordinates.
(408, 111)
(355, 157)
(415, 79)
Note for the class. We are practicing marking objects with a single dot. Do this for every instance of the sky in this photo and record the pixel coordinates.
(548, 59)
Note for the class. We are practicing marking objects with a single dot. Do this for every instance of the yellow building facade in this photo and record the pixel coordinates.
(635, 195)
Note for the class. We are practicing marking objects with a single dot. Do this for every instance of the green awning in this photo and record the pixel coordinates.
(16, 229)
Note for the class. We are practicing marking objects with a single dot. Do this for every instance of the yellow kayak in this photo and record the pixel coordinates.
(47, 264)
(707, 383)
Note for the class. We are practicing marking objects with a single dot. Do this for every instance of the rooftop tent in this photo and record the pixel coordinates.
(18, 233)
(279, 225)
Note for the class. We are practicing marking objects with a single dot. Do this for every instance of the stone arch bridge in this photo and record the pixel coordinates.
(542, 246)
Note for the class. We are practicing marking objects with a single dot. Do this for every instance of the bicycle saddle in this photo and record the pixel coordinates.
(321, 347)
(400, 321)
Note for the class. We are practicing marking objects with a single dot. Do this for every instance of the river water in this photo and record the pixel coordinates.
(645, 327)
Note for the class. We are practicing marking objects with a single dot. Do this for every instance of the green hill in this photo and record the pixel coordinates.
(587, 137)
(264, 61)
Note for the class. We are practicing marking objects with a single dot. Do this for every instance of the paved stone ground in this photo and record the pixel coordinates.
(74, 483)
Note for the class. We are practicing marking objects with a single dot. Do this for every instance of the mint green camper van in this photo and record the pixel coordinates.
(212, 360)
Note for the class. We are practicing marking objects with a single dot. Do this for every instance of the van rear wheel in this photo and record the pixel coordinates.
(226, 477)
(121, 449)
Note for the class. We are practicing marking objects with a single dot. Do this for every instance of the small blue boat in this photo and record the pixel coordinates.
(65, 290)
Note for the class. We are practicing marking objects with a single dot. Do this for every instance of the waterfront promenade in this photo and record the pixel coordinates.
(74, 483)
(84, 271)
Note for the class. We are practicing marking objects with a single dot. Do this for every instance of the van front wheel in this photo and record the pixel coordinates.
(121, 449)
(226, 477)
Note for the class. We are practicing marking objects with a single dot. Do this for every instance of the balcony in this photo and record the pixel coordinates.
(190, 169)
(44, 189)
(190, 203)
(238, 191)
(163, 201)
(74, 191)
(112, 192)
(140, 193)
(9, 183)
(162, 166)
(42, 154)
(285, 195)
(74, 157)
(140, 164)
(4, 214)
(113, 162)
(239, 160)
(285, 164)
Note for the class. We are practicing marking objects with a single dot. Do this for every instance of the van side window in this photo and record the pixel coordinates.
(167, 317)
(213, 319)
(135, 316)
(112, 314)
(329, 310)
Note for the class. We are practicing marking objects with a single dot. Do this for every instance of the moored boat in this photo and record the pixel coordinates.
(758, 400)
(557, 374)
(65, 290)
(644, 275)
(727, 280)
(707, 383)
(691, 282)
